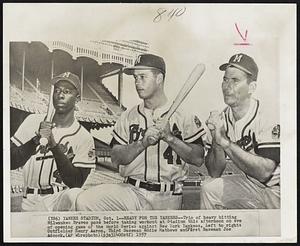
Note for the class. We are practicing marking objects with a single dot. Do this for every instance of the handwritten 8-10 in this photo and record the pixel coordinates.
(168, 14)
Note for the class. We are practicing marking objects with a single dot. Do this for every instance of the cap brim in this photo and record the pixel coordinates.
(224, 66)
(130, 70)
(55, 80)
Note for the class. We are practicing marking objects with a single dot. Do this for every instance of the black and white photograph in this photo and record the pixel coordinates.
(149, 122)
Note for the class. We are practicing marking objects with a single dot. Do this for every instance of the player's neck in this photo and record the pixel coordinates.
(239, 111)
(156, 101)
(63, 120)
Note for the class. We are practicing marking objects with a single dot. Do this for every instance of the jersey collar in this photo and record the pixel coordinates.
(240, 125)
(156, 113)
(246, 117)
(72, 128)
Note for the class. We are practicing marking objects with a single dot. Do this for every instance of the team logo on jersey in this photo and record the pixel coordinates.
(91, 154)
(245, 140)
(67, 150)
(197, 121)
(57, 177)
(276, 132)
(135, 132)
(70, 154)
(176, 132)
(63, 147)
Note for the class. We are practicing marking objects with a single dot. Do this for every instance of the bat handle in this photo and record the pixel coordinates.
(43, 141)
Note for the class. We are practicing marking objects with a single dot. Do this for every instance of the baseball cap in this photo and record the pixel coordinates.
(70, 77)
(147, 61)
(242, 62)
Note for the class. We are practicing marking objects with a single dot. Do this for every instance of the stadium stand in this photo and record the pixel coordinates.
(92, 106)
(37, 102)
(107, 96)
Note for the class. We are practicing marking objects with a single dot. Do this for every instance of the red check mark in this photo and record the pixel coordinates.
(244, 37)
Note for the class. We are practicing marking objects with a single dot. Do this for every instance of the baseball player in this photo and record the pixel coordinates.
(67, 158)
(247, 135)
(151, 157)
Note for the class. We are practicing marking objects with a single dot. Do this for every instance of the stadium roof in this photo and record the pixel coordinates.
(32, 64)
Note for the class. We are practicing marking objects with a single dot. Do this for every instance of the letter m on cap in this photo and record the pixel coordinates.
(138, 59)
(237, 58)
(66, 74)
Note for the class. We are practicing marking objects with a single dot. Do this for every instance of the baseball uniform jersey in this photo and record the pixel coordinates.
(158, 163)
(258, 132)
(40, 171)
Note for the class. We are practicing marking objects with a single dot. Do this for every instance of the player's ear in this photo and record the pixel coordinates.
(252, 87)
(77, 98)
(160, 78)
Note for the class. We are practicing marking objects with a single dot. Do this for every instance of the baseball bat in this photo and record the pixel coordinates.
(50, 114)
(194, 76)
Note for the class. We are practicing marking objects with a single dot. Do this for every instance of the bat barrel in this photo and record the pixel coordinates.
(194, 76)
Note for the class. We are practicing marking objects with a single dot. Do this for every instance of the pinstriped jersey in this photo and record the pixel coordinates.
(257, 132)
(40, 171)
(158, 163)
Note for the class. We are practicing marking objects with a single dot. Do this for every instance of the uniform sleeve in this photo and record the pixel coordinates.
(193, 130)
(85, 152)
(267, 141)
(121, 129)
(27, 129)
(207, 138)
(267, 145)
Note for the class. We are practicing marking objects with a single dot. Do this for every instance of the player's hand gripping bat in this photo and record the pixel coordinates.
(194, 76)
(50, 114)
